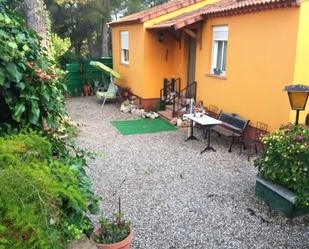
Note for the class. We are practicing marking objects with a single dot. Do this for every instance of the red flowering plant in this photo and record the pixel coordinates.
(286, 160)
(31, 85)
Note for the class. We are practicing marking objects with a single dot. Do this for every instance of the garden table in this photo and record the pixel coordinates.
(204, 121)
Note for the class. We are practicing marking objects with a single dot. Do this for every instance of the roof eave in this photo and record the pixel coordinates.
(178, 25)
(121, 23)
(150, 16)
(160, 27)
(188, 22)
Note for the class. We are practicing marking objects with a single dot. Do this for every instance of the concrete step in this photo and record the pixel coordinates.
(167, 115)
(170, 107)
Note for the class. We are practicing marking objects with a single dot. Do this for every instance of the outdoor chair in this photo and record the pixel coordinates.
(213, 111)
(255, 142)
(111, 94)
(233, 126)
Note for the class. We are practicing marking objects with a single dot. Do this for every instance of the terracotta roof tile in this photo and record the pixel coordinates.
(180, 20)
(151, 13)
(232, 7)
(221, 8)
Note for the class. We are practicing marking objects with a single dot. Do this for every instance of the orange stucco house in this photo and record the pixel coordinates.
(241, 53)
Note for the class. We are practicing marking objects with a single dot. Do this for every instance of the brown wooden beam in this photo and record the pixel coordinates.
(200, 34)
(191, 33)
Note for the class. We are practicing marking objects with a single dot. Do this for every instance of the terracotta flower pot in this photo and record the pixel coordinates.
(124, 244)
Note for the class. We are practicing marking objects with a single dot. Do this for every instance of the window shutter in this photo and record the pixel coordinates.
(214, 55)
(125, 40)
(220, 33)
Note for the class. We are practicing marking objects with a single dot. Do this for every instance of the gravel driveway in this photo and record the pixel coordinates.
(174, 196)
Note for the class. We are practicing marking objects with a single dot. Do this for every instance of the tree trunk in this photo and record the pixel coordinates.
(105, 40)
(36, 18)
(105, 33)
(91, 47)
(79, 49)
(77, 45)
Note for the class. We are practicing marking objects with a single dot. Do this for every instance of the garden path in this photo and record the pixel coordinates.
(174, 196)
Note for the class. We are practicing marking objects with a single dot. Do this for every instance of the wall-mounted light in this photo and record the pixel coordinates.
(161, 37)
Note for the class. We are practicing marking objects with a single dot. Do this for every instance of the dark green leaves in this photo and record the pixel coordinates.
(43, 197)
(2, 76)
(14, 74)
(18, 111)
(34, 114)
(28, 89)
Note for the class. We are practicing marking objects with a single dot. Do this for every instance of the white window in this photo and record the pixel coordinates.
(220, 37)
(124, 47)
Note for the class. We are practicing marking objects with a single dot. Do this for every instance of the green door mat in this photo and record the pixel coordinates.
(140, 126)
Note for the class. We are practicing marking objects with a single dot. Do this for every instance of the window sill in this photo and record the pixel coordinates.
(221, 77)
(124, 64)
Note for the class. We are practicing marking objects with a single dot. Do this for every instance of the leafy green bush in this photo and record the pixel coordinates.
(286, 160)
(59, 46)
(23, 147)
(43, 201)
(45, 192)
(31, 86)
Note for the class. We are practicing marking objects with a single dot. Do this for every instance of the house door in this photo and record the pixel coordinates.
(191, 65)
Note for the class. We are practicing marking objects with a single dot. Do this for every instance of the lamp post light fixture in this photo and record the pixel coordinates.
(298, 96)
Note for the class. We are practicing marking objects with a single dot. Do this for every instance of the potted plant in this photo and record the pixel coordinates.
(126, 92)
(217, 71)
(113, 234)
(87, 89)
(283, 178)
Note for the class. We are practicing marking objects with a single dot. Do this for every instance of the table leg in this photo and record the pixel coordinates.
(191, 137)
(208, 147)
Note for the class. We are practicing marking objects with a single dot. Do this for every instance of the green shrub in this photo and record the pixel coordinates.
(24, 147)
(31, 86)
(43, 202)
(286, 160)
(59, 46)
(45, 193)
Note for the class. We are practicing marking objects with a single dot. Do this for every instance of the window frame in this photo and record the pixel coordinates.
(224, 29)
(124, 48)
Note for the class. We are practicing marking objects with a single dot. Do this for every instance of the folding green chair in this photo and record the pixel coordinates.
(111, 94)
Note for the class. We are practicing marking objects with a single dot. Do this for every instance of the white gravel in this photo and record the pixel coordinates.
(174, 196)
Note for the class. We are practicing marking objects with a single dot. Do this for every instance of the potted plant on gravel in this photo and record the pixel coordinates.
(113, 234)
(283, 178)
(87, 89)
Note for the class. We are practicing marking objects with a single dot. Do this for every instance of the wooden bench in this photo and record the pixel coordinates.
(233, 126)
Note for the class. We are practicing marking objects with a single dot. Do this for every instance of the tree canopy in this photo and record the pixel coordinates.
(84, 21)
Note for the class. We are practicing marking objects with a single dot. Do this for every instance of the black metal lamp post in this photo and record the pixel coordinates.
(298, 96)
